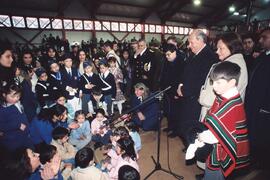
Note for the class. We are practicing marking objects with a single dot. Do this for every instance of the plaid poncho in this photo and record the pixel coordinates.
(227, 121)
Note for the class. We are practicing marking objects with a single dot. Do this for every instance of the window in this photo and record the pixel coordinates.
(152, 28)
(186, 30)
(5, 21)
(170, 29)
(68, 24)
(88, 25)
(78, 25)
(123, 26)
(158, 29)
(97, 25)
(106, 26)
(138, 28)
(175, 30)
(44, 22)
(18, 21)
(57, 24)
(131, 27)
(32, 22)
(181, 30)
(115, 26)
(146, 28)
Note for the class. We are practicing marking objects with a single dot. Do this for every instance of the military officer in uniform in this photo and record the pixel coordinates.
(143, 65)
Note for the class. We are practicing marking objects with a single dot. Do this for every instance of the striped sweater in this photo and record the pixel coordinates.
(227, 121)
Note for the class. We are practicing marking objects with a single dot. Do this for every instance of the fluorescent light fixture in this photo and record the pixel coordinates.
(236, 13)
(197, 2)
(232, 8)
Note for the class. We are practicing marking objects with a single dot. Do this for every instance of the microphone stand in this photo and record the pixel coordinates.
(158, 167)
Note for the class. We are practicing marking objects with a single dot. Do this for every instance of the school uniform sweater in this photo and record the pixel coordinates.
(107, 84)
(10, 122)
(42, 91)
(85, 79)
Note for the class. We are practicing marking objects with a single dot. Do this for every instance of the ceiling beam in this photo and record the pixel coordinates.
(154, 8)
(227, 14)
(217, 13)
(92, 6)
(124, 4)
(176, 6)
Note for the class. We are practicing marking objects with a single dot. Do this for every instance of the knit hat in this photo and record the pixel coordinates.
(40, 71)
(51, 61)
(86, 64)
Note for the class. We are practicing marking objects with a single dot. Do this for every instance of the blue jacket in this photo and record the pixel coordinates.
(10, 121)
(83, 130)
(41, 131)
(36, 176)
(151, 112)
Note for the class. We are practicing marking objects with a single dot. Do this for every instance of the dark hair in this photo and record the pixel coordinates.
(173, 38)
(104, 63)
(248, 36)
(4, 46)
(57, 110)
(59, 133)
(132, 126)
(9, 88)
(83, 157)
(232, 41)
(127, 172)
(17, 165)
(96, 91)
(127, 146)
(77, 113)
(112, 59)
(225, 70)
(122, 132)
(170, 47)
(50, 48)
(46, 153)
(27, 52)
(108, 44)
(101, 111)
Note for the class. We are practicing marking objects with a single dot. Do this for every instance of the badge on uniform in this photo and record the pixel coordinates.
(147, 66)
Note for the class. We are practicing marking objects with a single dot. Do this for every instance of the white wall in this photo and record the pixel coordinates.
(78, 36)
(27, 34)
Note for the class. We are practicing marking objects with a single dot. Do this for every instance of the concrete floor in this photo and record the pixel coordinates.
(177, 158)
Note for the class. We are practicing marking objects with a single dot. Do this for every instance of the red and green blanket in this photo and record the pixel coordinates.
(227, 121)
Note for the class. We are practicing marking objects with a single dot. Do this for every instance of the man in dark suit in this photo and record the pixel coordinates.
(171, 75)
(143, 65)
(257, 103)
(193, 78)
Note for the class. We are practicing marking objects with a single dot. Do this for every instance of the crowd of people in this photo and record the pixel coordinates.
(58, 105)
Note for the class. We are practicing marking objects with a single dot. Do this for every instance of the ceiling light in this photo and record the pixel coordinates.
(232, 8)
(197, 2)
(244, 15)
(236, 13)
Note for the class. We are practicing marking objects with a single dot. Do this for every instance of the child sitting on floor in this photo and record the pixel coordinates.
(85, 166)
(81, 136)
(100, 131)
(60, 141)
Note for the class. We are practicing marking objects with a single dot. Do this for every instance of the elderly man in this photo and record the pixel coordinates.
(257, 104)
(193, 78)
(143, 65)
